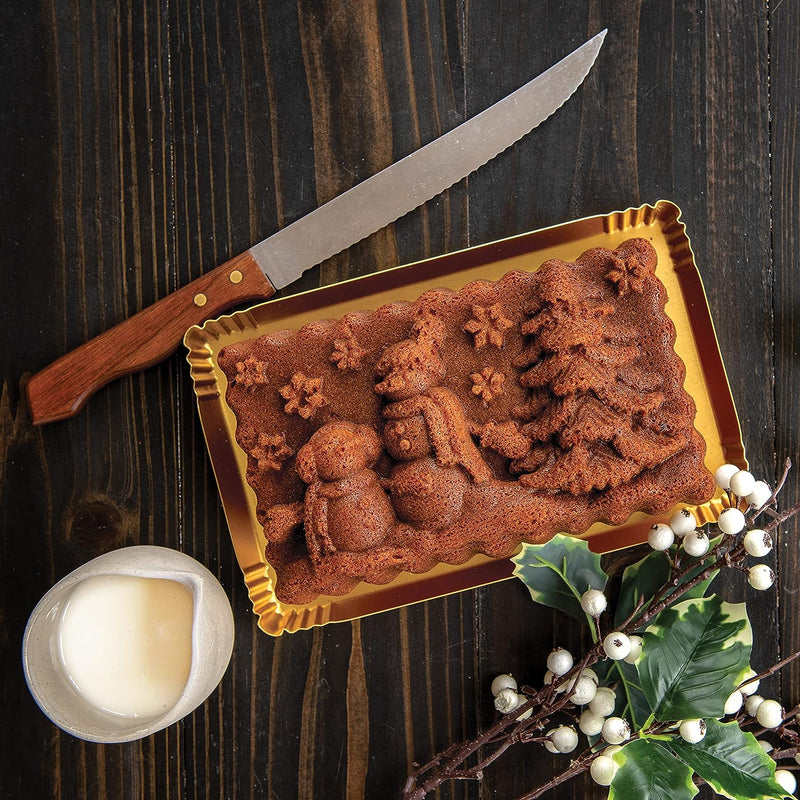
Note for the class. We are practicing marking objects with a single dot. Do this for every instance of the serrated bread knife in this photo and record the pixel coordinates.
(60, 390)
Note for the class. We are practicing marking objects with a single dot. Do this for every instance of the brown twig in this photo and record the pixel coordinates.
(781, 518)
(772, 670)
(661, 600)
(787, 465)
(579, 765)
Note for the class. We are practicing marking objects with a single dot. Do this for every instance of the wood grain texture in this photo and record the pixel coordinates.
(148, 142)
(784, 23)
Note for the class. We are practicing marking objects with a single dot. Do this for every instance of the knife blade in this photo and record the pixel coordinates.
(61, 389)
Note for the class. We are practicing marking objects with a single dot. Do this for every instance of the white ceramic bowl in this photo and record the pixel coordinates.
(212, 645)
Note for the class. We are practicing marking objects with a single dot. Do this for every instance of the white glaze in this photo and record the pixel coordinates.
(126, 642)
(212, 633)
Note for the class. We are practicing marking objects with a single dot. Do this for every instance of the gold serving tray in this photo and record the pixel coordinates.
(695, 343)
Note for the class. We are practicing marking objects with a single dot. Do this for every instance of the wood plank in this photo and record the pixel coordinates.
(784, 24)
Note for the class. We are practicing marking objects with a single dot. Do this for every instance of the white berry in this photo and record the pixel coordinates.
(692, 730)
(560, 661)
(734, 702)
(548, 742)
(593, 602)
(786, 780)
(584, 691)
(604, 702)
(525, 714)
(616, 730)
(584, 673)
(769, 714)
(742, 483)
(752, 686)
(588, 672)
(564, 739)
(752, 703)
(549, 678)
(760, 495)
(636, 649)
(590, 723)
(731, 521)
(616, 645)
(757, 542)
(506, 701)
(660, 537)
(722, 477)
(696, 543)
(501, 682)
(765, 746)
(760, 577)
(682, 522)
(602, 770)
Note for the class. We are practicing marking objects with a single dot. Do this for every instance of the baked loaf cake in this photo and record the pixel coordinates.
(465, 422)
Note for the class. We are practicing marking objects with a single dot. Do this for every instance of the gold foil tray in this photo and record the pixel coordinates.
(696, 344)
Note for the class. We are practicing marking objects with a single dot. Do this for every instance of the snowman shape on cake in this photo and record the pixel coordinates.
(345, 508)
(426, 431)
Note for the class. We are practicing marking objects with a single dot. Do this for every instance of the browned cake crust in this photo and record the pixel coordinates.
(465, 422)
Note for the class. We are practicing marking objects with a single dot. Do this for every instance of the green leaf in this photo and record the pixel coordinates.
(641, 579)
(649, 771)
(646, 577)
(558, 572)
(635, 705)
(732, 762)
(694, 655)
(631, 701)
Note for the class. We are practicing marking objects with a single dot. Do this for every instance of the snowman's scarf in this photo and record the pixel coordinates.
(447, 429)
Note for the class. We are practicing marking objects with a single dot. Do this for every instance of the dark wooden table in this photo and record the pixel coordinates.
(145, 143)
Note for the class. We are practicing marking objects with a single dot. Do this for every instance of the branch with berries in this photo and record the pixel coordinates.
(665, 698)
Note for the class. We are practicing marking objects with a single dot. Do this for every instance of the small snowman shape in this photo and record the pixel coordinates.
(345, 507)
(426, 431)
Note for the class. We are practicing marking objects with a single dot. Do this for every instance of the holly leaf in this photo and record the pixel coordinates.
(631, 700)
(732, 762)
(641, 580)
(650, 771)
(644, 578)
(694, 655)
(558, 572)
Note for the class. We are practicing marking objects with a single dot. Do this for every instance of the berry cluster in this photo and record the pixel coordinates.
(596, 703)
(742, 490)
(593, 704)
(751, 709)
(574, 701)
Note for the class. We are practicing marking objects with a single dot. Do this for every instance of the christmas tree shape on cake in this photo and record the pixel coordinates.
(590, 409)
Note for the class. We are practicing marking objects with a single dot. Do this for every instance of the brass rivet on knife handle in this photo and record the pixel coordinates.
(60, 390)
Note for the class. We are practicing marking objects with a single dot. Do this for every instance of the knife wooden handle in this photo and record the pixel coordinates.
(60, 390)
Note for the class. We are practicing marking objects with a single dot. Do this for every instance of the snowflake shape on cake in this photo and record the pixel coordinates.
(347, 353)
(250, 373)
(487, 383)
(303, 395)
(628, 274)
(271, 451)
(488, 325)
